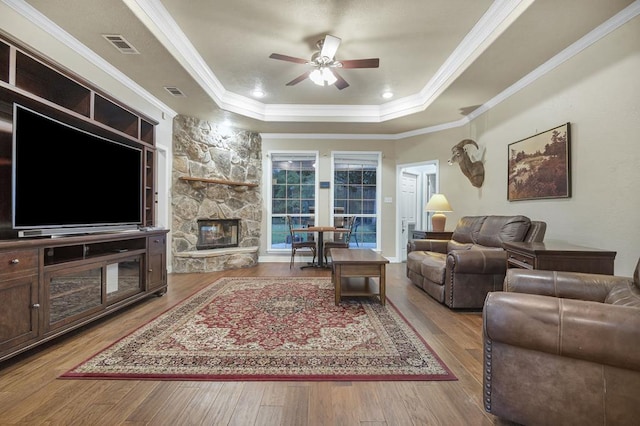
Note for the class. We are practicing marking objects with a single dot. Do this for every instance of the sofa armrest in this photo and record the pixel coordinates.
(477, 261)
(438, 246)
(570, 285)
(591, 331)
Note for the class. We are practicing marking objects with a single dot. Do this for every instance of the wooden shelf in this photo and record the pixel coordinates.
(45, 82)
(149, 185)
(114, 116)
(146, 132)
(219, 181)
(4, 62)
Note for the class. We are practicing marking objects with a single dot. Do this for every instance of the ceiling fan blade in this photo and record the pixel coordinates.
(299, 78)
(288, 58)
(340, 83)
(330, 46)
(361, 63)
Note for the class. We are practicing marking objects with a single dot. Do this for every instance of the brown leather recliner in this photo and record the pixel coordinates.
(461, 271)
(563, 348)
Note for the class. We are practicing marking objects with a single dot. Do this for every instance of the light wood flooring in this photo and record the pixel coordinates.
(31, 393)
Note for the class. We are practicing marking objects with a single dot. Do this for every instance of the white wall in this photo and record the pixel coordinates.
(598, 92)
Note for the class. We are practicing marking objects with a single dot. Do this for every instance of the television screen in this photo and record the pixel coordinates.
(64, 177)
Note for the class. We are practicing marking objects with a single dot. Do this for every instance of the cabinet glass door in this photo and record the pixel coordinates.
(74, 292)
(123, 278)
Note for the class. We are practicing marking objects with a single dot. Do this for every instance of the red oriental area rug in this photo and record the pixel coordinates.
(270, 329)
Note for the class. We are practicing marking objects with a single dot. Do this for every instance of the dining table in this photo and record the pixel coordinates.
(319, 230)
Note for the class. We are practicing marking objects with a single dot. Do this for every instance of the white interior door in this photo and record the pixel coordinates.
(429, 189)
(408, 207)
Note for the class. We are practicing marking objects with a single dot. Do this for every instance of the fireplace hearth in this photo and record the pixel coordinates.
(217, 233)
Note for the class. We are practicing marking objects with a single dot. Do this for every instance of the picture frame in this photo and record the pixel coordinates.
(539, 166)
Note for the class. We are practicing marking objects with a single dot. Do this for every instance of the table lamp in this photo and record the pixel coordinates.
(438, 203)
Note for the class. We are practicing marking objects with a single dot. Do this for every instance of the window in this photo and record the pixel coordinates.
(293, 186)
(356, 187)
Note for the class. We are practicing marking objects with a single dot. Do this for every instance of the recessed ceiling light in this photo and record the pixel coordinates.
(387, 95)
(258, 93)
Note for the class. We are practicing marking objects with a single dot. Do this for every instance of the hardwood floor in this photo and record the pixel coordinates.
(31, 393)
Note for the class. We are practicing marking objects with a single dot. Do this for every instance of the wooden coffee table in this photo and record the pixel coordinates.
(348, 265)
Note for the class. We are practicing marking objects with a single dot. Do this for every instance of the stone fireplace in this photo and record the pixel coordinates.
(217, 233)
(216, 197)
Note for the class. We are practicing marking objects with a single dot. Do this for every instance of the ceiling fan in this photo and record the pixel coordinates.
(324, 64)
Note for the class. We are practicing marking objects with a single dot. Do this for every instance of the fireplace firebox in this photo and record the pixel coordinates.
(217, 233)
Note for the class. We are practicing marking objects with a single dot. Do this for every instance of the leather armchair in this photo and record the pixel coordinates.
(461, 271)
(563, 348)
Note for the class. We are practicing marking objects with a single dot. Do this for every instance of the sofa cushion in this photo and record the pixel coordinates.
(467, 229)
(456, 245)
(414, 260)
(498, 229)
(624, 295)
(433, 267)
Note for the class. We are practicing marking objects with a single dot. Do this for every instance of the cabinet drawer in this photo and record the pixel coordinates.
(157, 244)
(520, 260)
(18, 261)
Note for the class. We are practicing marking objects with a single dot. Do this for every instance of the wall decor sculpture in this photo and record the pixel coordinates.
(539, 166)
(470, 161)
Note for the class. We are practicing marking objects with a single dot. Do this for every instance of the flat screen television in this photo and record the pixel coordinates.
(68, 181)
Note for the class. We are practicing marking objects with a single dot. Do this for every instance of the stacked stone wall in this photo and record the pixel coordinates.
(206, 150)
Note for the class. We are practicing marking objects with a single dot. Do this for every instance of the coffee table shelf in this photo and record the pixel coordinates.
(349, 265)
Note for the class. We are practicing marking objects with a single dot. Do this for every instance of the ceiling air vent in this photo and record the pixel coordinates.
(174, 91)
(121, 44)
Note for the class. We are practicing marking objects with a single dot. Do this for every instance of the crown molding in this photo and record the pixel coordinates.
(158, 20)
(42, 22)
(489, 27)
(616, 21)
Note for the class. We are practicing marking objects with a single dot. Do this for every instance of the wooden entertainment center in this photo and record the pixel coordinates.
(50, 286)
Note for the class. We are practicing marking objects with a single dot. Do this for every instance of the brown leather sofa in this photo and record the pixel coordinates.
(461, 271)
(563, 348)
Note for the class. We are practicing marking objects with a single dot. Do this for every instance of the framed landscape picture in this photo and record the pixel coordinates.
(539, 166)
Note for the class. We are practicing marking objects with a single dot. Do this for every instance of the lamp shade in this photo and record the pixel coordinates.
(438, 203)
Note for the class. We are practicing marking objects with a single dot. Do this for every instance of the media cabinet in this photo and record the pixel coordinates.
(50, 286)
(36, 82)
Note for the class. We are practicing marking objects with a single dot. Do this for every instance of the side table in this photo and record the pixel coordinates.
(431, 235)
(559, 256)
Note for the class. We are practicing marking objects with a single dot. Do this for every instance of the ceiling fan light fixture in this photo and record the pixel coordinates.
(328, 76)
(323, 77)
(323, 61)
(316, 77)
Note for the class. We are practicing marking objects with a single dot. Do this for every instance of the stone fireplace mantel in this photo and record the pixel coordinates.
(214, 260)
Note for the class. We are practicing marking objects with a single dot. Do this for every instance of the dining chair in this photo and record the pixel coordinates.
(343, 238)
(299, 245)
(356, 224)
